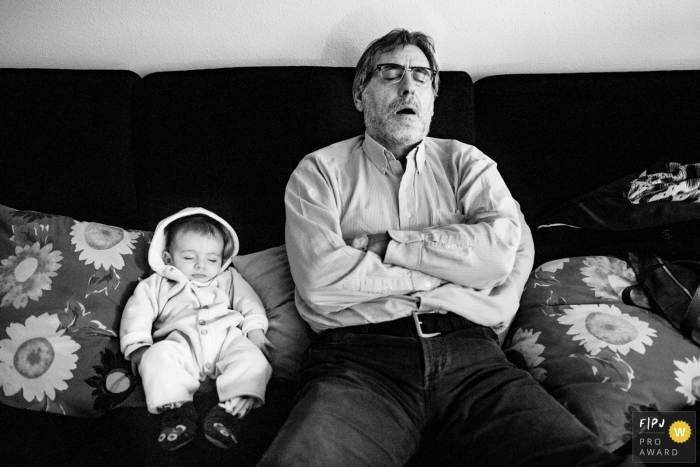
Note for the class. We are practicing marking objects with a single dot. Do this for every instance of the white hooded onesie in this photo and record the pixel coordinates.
(195, 330)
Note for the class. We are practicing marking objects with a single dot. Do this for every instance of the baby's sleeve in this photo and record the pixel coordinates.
(137, 319)
(246, 301)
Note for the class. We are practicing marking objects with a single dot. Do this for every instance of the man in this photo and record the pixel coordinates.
(409, 256)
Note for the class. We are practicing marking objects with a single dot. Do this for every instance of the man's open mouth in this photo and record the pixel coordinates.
(406, 111)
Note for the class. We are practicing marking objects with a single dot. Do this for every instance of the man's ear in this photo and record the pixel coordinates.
(167, 259)
(357, 97)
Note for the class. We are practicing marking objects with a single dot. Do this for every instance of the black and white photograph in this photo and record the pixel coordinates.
(331, 233)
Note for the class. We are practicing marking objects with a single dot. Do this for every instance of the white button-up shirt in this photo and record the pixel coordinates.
(459, 242)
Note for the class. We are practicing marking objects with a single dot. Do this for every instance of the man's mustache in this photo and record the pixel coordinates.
(406, 103)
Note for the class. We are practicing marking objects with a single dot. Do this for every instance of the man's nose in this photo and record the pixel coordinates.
(407, 86)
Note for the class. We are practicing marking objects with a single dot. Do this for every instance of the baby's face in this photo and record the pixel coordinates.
(198, 256)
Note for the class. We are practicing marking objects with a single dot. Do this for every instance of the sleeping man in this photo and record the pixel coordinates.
(409, 256)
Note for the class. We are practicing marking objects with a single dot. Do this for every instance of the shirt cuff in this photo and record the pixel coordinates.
(405, 250)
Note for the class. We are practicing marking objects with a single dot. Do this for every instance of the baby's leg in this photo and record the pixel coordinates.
(170, 381)
(244, 373)
(169, 374)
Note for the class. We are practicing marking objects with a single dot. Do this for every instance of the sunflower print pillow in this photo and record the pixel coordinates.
(63, 285)
(585, 332)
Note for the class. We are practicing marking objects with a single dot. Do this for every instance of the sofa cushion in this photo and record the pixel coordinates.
(268, 273)
(584, 332)
(66, 143)
(558, 136)
(63, 284)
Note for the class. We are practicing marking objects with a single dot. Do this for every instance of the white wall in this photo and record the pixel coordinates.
(483, 37)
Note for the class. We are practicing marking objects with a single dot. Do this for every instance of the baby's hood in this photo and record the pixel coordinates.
(155, 252)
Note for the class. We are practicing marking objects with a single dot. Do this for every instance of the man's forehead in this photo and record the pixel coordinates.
(402, 54)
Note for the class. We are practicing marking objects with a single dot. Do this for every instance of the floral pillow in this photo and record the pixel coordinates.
(584, 332)
(63, 284)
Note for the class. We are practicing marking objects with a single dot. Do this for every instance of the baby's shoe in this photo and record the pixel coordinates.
(221, 428)
(178, 427)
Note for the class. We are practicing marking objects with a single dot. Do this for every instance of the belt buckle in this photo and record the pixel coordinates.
(418, 324)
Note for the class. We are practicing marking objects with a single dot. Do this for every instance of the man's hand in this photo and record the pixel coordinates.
(136, 359)
(258, 337)
(376, 243)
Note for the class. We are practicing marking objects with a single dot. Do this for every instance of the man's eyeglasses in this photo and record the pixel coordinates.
(393, 73)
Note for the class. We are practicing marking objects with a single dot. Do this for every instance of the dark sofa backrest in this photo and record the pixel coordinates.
(110, 147)
(558, 136)
(66, 143)
(228, 139)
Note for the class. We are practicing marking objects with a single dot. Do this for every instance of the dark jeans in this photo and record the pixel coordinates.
(371, 400)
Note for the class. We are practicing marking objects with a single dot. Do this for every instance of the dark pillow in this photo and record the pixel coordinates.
(605, 222)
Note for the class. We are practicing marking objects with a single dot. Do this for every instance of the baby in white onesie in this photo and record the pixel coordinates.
(194, 318)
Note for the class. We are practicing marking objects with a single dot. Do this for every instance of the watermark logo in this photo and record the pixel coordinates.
(664, 437)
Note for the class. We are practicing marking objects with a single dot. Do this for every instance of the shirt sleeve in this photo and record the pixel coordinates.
(330, 275)
(480, 250)
(494, 307)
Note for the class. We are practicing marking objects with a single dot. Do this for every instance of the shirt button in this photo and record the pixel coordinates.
(204, 332)
(408, 215)
(405, 184)
(201, 322)
(207, 365)
(427, 284)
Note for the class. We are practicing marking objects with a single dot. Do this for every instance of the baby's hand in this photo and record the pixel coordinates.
(136, 359)
(258, 337)
(238, 406)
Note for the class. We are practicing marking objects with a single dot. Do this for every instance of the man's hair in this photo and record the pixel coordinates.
(391, 41)
(199, 224)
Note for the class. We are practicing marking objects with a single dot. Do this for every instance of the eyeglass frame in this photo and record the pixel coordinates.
(410, 69)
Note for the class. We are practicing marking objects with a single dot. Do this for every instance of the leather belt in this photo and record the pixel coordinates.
(420, 324)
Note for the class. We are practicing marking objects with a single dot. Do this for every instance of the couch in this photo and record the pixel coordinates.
(93, 159)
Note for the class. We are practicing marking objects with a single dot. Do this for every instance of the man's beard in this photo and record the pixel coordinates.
(390, 131)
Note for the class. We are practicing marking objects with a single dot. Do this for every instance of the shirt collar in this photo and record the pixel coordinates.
(379, 155)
